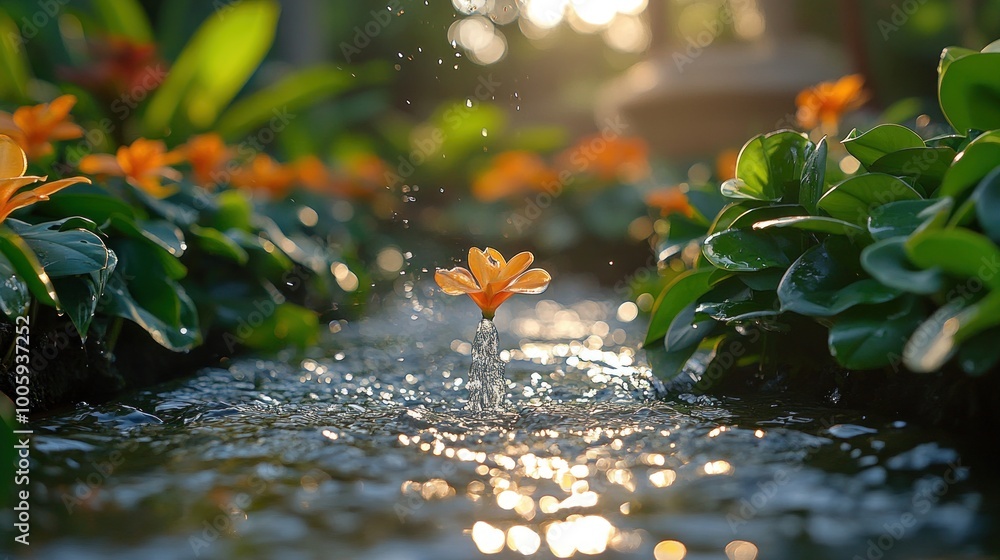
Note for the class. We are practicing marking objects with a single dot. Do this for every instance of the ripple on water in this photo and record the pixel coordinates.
(363, 450)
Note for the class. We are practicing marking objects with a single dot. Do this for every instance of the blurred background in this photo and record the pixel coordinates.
(571, 127)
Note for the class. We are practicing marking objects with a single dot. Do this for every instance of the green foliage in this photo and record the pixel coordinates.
(898, 263)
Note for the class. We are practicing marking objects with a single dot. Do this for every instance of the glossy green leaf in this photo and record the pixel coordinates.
(951, 54)
(14, 65)
(969, 91)
(79, 296)
(158, 247)
(813, 182)
(884, 139)
(210, 71)
(937, 339)
(729, 213)
(820, 224)
(26, 264)
(987, 203)
(757, 306)
(959, 252)
(686, 331)
(886, 261)
(981, 156)
(903, 218)
(769, 167)
(854, 199)
(873, 336)
(747, 219)
(15, 297)
(741, 250)
(762, 281)
(827, 280)
(925, 166)
(668, 365)
(680, 293)
(63, 253)
(234, 212)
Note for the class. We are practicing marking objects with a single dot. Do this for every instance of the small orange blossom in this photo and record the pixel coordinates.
(608, 157)
(266, 175)
(670, 200)
(13, 164)
(511, 173)
(35, 127)
(825, 103)
(143, 164)
(208, 155)
(493, 279)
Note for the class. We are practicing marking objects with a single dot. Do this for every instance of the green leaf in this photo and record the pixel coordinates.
(63, 253)
(158, 247)
(747, 219)
(981, 156)
(925, 166)
(884, 139)
(854, 199)
(903, 218)
(820, 224)
(214, 242)
(873, 336)
(886, 261)
(960, 252)
(295, 91)
(14, 66)
(26, 264)
(937, 339)
(668, 365)
(685, 331)
(827, 280)
(15, 297)
(684, 290)
(210, 70)
(812, 186)
(987, 202)
(724, 220)
(763, 281)
(79, 296)
(741, 250)
(758, 305)
(234, 212)
(969, 91)
(951, 54)
(125, 18)
(769, 167)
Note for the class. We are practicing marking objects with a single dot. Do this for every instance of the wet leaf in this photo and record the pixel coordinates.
(959, 252)
(680, 293)
(854, 199)
(886, 261)
(869, 147)
(873, 336)
(812, 185)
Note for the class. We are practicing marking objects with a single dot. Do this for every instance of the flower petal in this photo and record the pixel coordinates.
(496, 256)
(100, 164)
(66, 131)
(10, 186)
(517, 264)
(479, 264)
(455, 281)
(40, 193)
(534, 281)
(13, 162)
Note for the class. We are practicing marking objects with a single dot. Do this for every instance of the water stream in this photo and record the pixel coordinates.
(363, 449)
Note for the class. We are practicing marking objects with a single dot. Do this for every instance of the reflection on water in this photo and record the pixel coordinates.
(363, 449)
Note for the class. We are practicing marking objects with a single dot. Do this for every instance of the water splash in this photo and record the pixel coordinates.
(487, 384)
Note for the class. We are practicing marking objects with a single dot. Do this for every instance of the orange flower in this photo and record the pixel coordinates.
(119, 65)
(609, 159)
(143, 164)
(493, 279)
(365, 174)
(13, 164)
(825, 103)
(208, 156)
(670, 200)
(265, 174)
(512, 173)
(725, 164)
(34, 127)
